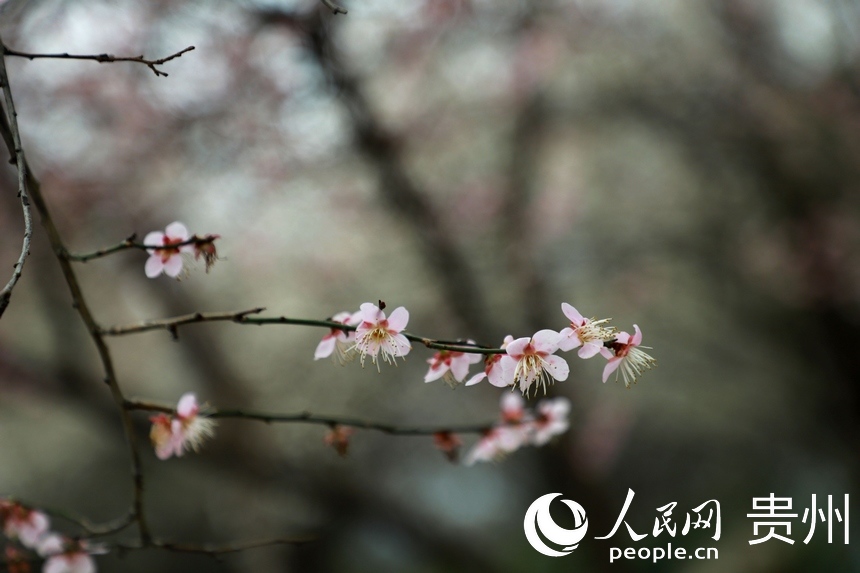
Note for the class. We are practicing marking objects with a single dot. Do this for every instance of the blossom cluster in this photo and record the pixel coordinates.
(519, 427)
(526, 363)
(31, 529)
(172, 435)
(166, 250)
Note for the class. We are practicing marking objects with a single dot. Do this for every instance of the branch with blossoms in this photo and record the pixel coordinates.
(102, 58)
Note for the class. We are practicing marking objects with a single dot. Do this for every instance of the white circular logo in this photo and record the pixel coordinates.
(538, 518)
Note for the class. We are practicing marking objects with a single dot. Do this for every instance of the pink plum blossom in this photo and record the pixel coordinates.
(531, 361)
(551, 420)
(625, 356)
(498, 442)
(186, 429)
(338, 438)
(586, 334)
(337, 342)
(164, 258)
(493, 368)
(513, 409)
(450, 365)
(448, 443)
(22, 523)
(375, 334)
(66, 555)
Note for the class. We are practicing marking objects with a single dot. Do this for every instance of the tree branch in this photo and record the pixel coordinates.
(310, 418)
(104, 58)
(17, 151)
(130, 243)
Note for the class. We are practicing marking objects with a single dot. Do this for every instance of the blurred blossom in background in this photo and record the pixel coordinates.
(690, 167)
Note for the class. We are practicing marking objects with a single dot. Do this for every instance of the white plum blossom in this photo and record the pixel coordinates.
(494, 368)
(339, 343)
(22, 523)
(451, 366)
(551, 420)
(163, 256)
(187, 429)
(377, 334)
(530, 361)
(625, 356)
(66, 555)
(586, 334)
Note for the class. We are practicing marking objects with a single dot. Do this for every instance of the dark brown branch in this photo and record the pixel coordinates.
(17, 150)
(335, 8)
(130, 243)
(241, 317)
(104, 58)
(310, 418)
(80, 304)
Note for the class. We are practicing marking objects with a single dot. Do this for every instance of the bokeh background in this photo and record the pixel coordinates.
(690, 167)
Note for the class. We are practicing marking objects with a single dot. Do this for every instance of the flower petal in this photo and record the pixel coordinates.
(401, 345)
(637, 337)
(460, 367)
(516, 347)
(610, 367)
(398, 319)
(557, 367)
(153, 239)
(589, 350)
(176, 231)
(475, 379)
(571, 313)
(325, 347)
(501, 374)
(435, 373)
(154, 266)
(546, 340)
(371, 313)
(569, 340)
(173, 266)
(187, 405)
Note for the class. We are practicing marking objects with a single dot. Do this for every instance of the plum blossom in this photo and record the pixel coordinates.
(498, 442)
(586, 334)
(22, 523)
(164, 258)
(187, 429)
(375, 334)
(625, 355)
(531, 361)
(512, 433)
(449, 444)
(493, 368)
(451, 366)
(551, 420)
(339, 343)
(65, 555)
(338, 438)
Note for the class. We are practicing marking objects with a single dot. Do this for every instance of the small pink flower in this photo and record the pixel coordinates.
(448, 443)
(493, 368)
(513, 409)
(531, 361)
(339, 342)
(589, 334)
(338, 438)
(163, 257)
(377, 334)
(66, 555)
(451, 366)
(624, 354)
(187, 429)
(551, 420)
(22, 523)
(498, 442)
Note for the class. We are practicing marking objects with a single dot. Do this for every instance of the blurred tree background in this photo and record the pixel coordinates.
(691, 167)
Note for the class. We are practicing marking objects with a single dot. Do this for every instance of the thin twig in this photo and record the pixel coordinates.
(89, 528)
(130, 243)
(335, 8)
(79, 303)
(241, 317)
(18, 152)
(104, 58)
(215, 550)
(310, 418)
